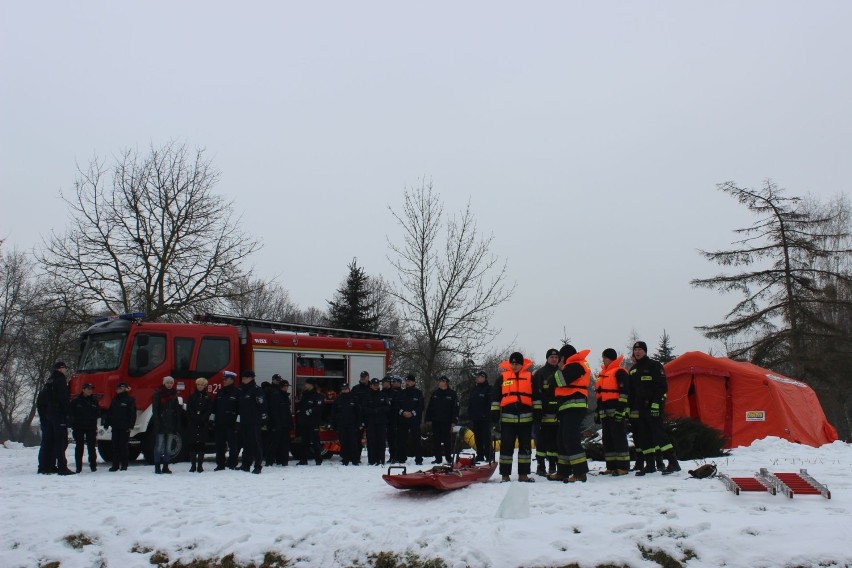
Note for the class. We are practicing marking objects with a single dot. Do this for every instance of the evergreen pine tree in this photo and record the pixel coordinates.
(353, 306)
(665, 351)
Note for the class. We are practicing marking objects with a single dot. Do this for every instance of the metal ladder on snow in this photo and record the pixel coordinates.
(787, 483)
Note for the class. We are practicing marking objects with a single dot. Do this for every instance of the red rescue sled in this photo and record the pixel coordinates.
(441, 477)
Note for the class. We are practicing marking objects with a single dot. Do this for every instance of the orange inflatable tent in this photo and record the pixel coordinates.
(745, 402)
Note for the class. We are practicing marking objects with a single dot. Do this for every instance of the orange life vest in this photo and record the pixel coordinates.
(581, 385)
(606, 386)
(516, 388)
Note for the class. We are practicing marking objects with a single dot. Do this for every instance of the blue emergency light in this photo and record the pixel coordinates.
(132, 317)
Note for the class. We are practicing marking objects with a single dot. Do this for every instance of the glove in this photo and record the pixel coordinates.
(655, 409)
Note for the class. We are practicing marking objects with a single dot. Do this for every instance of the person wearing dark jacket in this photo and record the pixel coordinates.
(361, 392)
(443, 413)
(611, 394)
(198, 409)
(253, 415)
(121, 418)
(409, 417)
(280, 423)
(548, 424)
(649, 385)
(226, 409)
(308, 418)
(84, 423)
(53, 403)
(375, 410)
(479, 412)
(572, 396)
(165, 423)
(393, 420)
(346, 419)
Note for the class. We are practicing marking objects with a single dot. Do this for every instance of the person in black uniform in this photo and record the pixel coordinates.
(55, 401)
(226, 409)
(199, 408)
(443, 413)
(121, 418)
(84, 423)
(253, 415)
(346, 419)
(648, 381)
(361, 391)
(479, 412)
(280, 422)
(548, 424)
(375, 411)
(393, 420)
(409, 417)
(308, 418)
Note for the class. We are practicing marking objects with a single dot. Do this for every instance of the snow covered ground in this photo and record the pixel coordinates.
(336, 516)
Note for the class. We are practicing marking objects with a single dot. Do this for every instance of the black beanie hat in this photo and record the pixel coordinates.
(550, 352)
(641, 345)
(567, 350)
(610, 354)
(516, 358)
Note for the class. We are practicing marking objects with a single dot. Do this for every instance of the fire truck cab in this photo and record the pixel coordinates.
(130, 350)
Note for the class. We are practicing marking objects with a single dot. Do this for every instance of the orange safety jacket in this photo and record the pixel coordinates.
(579, 386)
(606, 385)
(517, 388)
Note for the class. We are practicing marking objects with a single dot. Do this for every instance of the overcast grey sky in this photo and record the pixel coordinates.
(588, 137)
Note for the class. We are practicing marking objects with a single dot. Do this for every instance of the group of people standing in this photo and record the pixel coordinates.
(555, 401)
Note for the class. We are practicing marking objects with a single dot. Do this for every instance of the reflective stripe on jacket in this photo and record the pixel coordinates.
(576, 393)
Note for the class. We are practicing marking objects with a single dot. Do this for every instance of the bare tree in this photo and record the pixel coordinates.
(258, 299)
(449, 282)
(149, 234)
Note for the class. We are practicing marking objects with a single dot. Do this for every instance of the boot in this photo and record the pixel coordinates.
(157, 469)
(556, 476)
(79, 468)
(504, 478)
(659, 461)
(640, 463)
(649, 468)
(192, 467)
(526, 479)
(551, 465)
(671, 468)
(93, 466)
(581, 477)
(541, 470)
(166, 468)
(200, 462)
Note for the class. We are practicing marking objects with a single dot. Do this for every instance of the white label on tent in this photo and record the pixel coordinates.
(755, 416)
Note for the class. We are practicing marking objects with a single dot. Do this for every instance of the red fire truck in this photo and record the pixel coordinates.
(128, 349)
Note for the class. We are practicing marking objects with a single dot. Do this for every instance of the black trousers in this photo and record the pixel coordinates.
(350, 444)
(279, 447)
(252, 445)
(376, 434)
(569, 443)
(614, 439)
(120, 448)
(85, 439)
(441, 434)
(311, 447)
(46, 454)
(482, 436)
(226, 436)
(509, 433)
(408, 439)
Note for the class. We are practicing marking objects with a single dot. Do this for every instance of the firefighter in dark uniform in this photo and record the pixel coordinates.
(548, 425)
(572, 396)
(199, 407)
(226, 410)
(443, 413)
(375, 411)
(514, 408)
(361, 391)
(253, 415)
(84, 423)
(121, 418)
(409, 418)
(393, 420)
(648, 381)
(611, 395)
(479, 412)
(54, 400)
(308, 417)
(280, 422)
(346, 419)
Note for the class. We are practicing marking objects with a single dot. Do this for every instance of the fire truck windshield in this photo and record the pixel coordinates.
(102, 352)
